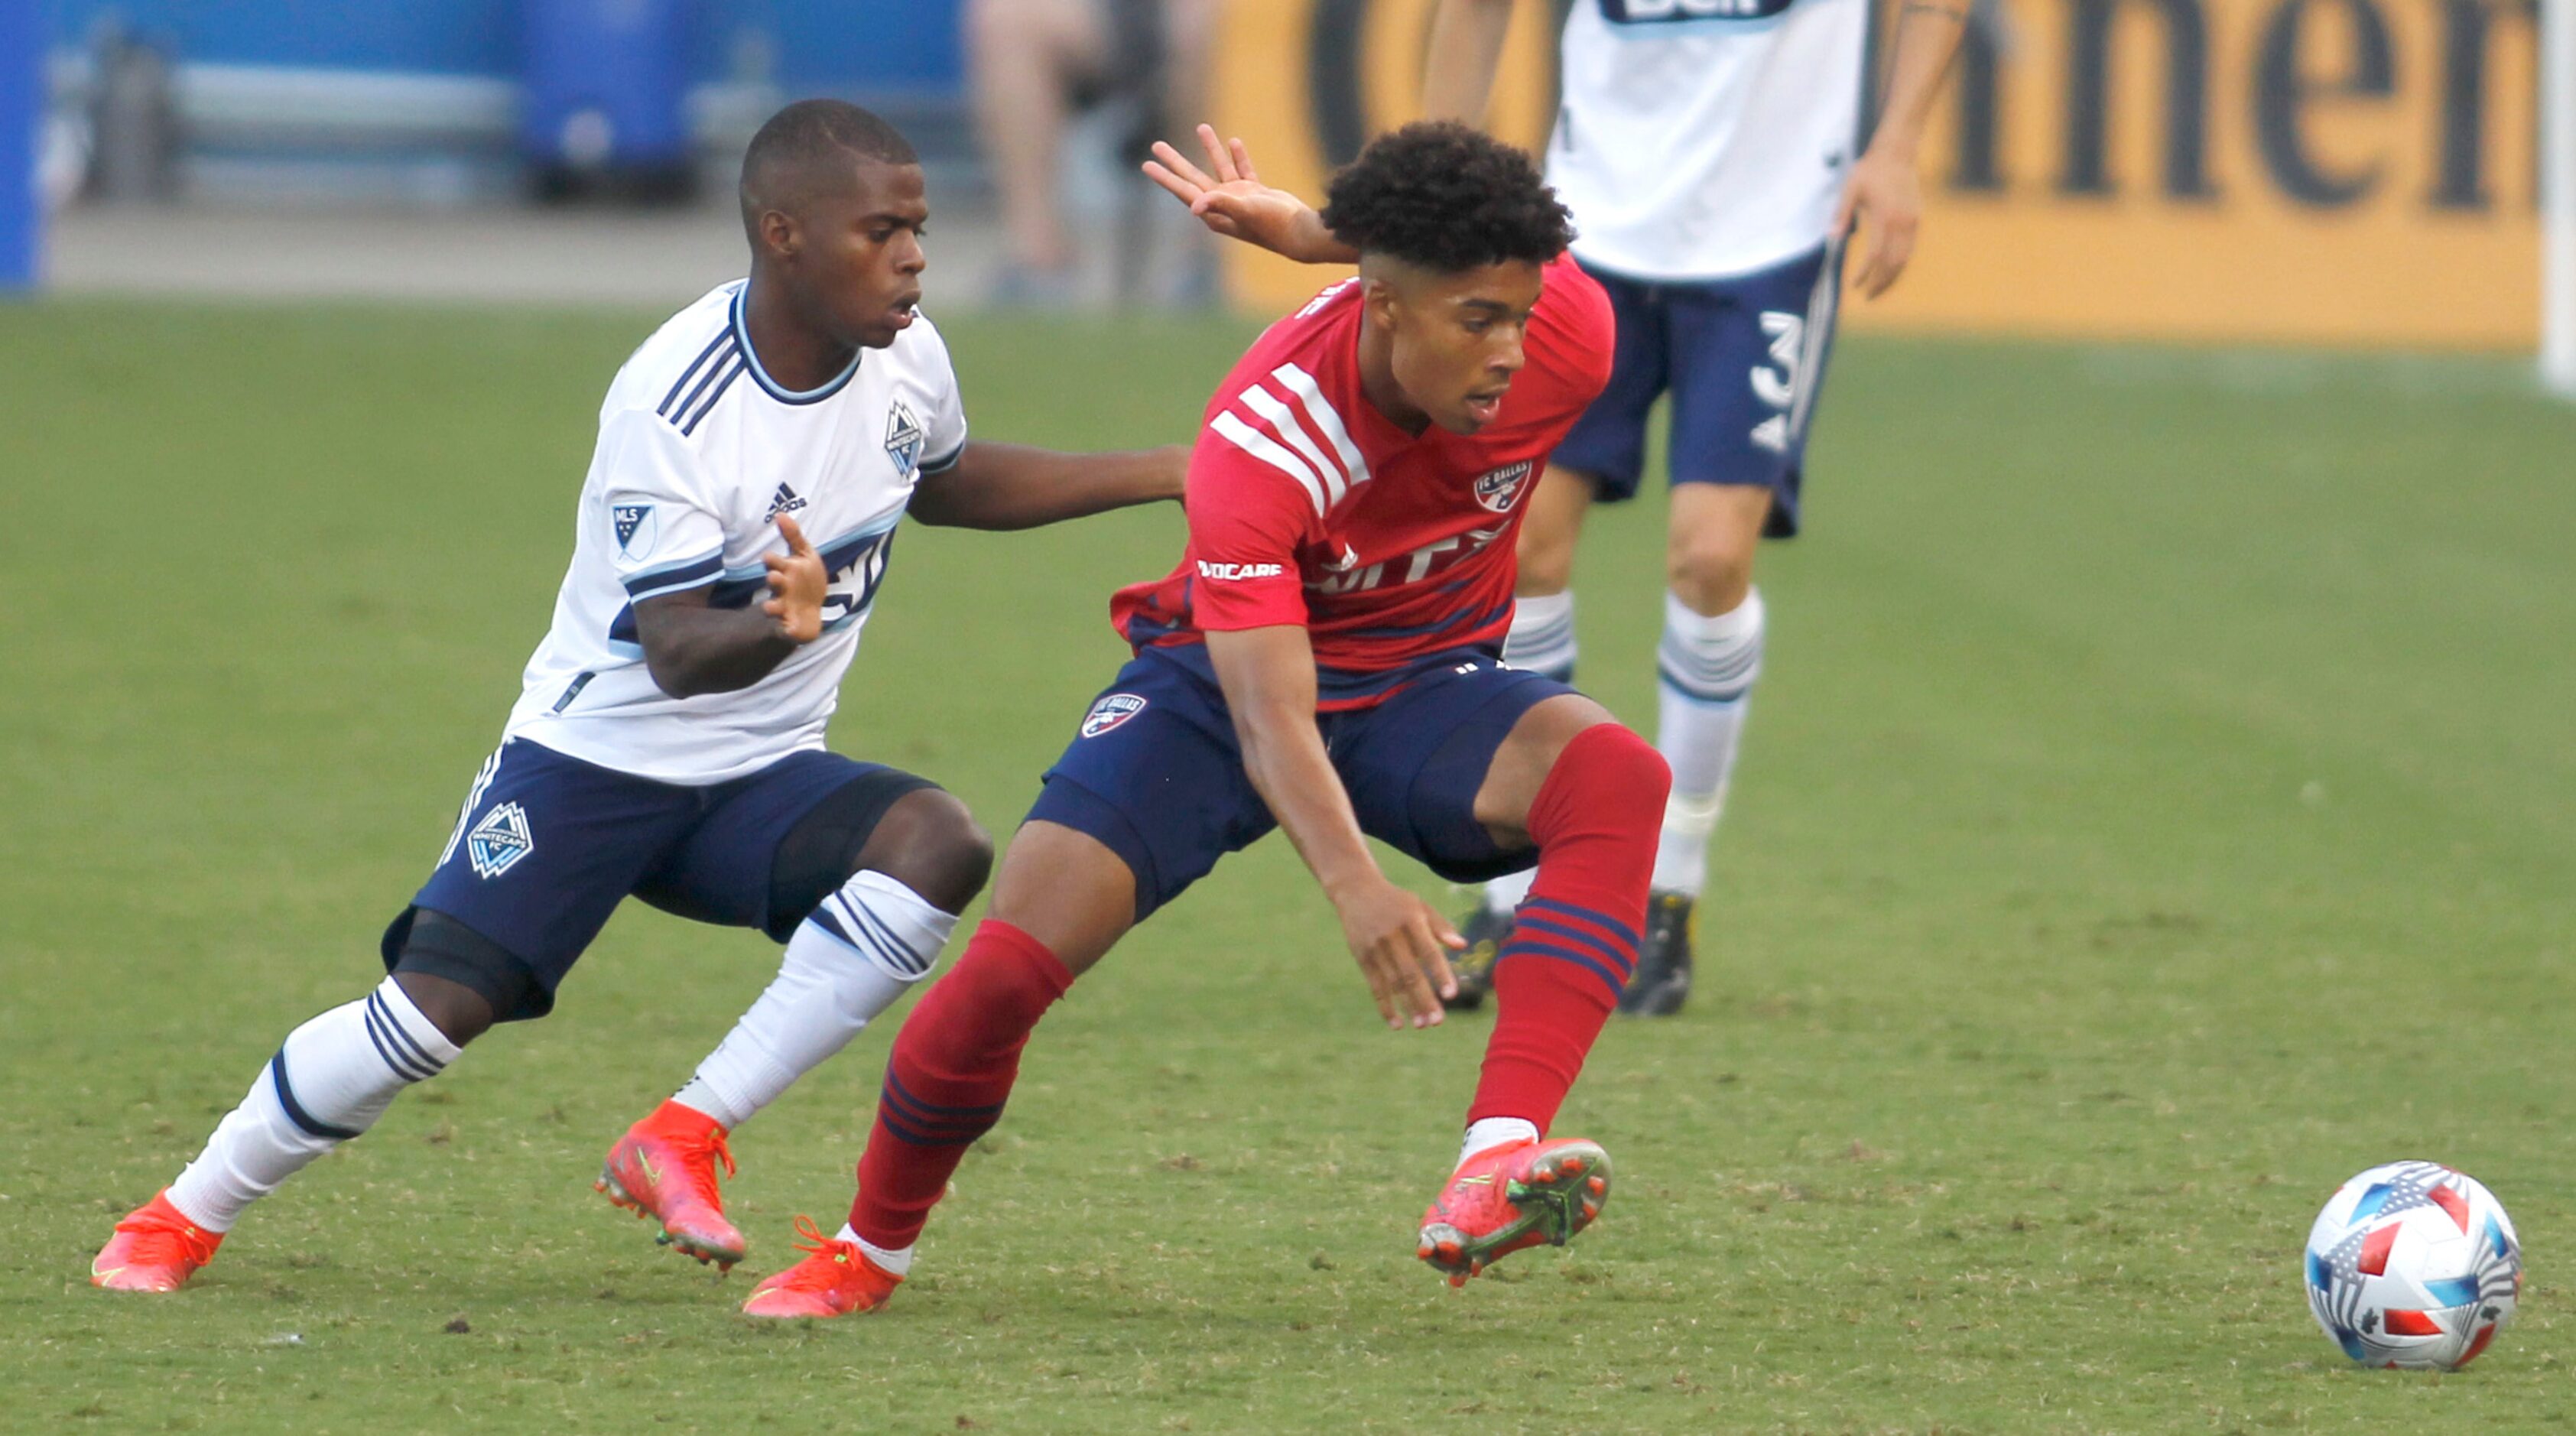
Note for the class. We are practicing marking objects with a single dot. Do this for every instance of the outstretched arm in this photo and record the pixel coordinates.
(1884, 196)
(1466, 48)
(1013, 486)
(1231, 200)
(1268, 675)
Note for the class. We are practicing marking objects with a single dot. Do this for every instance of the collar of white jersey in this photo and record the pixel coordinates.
(776, 390)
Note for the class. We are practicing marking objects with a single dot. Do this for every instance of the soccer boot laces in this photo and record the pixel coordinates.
(665, 1168)
(835, 1279)
(154, 1249)
(1486, 931)
(1662, 980)
(1518, 1194)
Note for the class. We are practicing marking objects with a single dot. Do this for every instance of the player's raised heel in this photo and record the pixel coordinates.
(665, 1168)
(1519, 1195)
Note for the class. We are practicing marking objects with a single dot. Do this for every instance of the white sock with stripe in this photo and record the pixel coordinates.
(1541, 641)
(865, 946)
(331, 1080)
(1707, 666)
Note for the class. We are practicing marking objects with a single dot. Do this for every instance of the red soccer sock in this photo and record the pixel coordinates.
(951, 1071)
(1574, 939)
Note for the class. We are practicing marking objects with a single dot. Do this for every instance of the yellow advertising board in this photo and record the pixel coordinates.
(2317, 171)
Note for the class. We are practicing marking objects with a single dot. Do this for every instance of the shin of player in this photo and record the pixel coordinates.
(912, 864)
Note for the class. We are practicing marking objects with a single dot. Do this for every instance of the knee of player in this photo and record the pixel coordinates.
(1710, 572)
(1546, 563)
(1624, 769)
(458, 1012)
(932, 844)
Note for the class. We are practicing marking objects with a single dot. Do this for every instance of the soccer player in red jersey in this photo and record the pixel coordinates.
(1324, 659)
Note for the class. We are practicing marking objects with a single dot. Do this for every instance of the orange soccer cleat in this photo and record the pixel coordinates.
(835, 1279)
(1515, 1195)
(665, 1166)
(154, 1249)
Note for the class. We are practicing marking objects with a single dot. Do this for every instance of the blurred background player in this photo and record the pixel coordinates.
(1707, 154)
(668, 741)
(1034, 65)
(1323, 660)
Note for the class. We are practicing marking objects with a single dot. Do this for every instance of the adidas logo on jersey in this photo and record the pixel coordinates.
(785, 501)
(903, 439)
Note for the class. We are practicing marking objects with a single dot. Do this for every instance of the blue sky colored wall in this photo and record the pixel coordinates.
(839, 46)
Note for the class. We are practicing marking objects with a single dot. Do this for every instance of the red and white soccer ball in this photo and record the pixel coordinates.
(2414, 1265)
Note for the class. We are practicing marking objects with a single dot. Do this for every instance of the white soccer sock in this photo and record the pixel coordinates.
(1486, 1133)
(331, 1080)
(1542, 636)
(896, 1261)
(1503, 894)
(1541, 641)
(1708, 666)
(859, 951)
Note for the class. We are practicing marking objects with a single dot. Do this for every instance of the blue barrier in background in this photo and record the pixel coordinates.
(21, 108)
(838, 46)
(606, 84)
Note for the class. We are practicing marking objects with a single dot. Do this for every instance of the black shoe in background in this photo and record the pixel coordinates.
(1663, 976)
(1485, 931)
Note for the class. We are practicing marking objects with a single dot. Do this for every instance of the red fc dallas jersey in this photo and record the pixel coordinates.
(1308, 506)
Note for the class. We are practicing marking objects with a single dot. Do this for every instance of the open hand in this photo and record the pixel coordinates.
(1883, 199)
(797, 583)
(1403, 947)
(1229, 198)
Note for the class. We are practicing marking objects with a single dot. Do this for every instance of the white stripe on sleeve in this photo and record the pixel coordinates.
(1285, 424)
(1328, 421)
(1252, 441)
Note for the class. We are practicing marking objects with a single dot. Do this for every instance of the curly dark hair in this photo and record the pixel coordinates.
(1448, 198)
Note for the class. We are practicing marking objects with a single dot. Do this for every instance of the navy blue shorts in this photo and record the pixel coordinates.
(547, 846)
(1156, 775)
(1744, 359)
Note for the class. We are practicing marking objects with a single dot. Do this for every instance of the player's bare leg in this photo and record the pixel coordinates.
(865, 945)
(1707, 661)
(332, 1078)
(1542, 641)
(1062, 901)
(1587, 793)
(1026, 57)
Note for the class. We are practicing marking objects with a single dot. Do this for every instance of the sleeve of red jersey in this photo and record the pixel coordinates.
(1571, 336)
(1248, 517)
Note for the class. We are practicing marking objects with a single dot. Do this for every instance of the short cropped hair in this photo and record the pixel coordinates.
(778, 169)
(812, 129)
(1448, 198)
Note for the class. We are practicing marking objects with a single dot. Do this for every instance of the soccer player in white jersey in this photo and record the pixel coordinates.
(1706, 150)
(754, 457)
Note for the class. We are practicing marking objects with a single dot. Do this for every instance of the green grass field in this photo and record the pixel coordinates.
(2152, 816)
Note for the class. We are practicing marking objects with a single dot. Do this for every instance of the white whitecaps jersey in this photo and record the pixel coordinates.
(1704, 139)
(699, 454)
